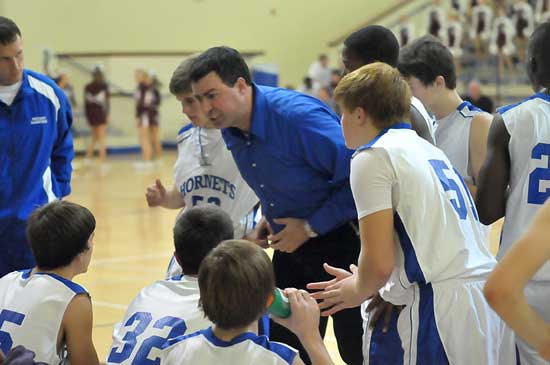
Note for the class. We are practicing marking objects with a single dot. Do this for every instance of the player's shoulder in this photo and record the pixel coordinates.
(44, 85)
(185, 132)
(525, 105)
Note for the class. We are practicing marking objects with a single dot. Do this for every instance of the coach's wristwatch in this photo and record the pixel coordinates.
(309, 231)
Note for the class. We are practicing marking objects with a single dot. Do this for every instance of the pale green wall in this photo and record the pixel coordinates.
(291, 32)
(292, 38)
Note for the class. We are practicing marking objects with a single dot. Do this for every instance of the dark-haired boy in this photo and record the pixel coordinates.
(42, 308)
(236, 281)
(169, 308)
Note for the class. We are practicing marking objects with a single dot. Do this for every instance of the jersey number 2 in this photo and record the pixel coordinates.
(534, 195)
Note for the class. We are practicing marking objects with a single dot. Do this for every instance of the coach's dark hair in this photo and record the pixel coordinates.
(539, 51)
(180, 83)
(374, 43)
(58, 232)
(8, 31)
(226, 62)
(426, 58)
(197, 231)
(235, 281)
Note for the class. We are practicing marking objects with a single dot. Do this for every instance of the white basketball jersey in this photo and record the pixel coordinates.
(205, 173)
(430, 122)
(437, 234)
(453, 137)
(161, 311)
(528, 124)
(31, 311)
(205, 348)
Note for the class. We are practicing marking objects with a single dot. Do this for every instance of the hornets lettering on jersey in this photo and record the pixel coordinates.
(208, 181)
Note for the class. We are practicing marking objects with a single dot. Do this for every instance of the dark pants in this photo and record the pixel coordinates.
(338, 248)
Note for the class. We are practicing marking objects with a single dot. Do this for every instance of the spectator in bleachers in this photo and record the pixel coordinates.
(453, 39)
(478, 99)
(405, 31)
(524, 22)
(319, 71)
(542, 11)
(459, 7)
(480, 29)
(307, 86)
(436, 20)
(501, 43)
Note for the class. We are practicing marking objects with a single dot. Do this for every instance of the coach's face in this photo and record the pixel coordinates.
(11, 62)
(223, 105)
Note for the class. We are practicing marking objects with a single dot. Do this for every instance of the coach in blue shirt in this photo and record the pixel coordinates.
(36, 147)
(290, 149)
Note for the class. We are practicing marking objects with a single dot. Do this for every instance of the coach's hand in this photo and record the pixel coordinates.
(378, 308)
(260, 233)
(290, 238)
(155, 194)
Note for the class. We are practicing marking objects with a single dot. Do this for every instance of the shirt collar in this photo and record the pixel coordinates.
(258, 117)
(401, 125)
(25, 89)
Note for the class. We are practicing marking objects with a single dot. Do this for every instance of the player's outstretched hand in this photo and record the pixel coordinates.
(338, 293)
(155, 194)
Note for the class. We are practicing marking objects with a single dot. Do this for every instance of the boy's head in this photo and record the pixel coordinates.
(375, 93)
(374, 43)
(429, 68)
(538, 57)
(180, 87)
(59, 233)
(197, 231)
(236, 280)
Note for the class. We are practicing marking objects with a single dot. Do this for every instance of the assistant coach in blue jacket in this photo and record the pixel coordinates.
(36, 147)
(290, 149)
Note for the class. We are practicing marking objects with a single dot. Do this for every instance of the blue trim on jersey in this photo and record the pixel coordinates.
(26, 273)
(412, 267)
(430, 349)
(470, 106)
(282, 350)
(185, 128)
(375, 139)
(386, 348)
(176, 277)
(263, 325)
(69, 284)
(540, 95)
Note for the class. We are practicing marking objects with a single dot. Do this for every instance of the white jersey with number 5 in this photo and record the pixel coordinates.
(205, 173)
(31, 310)
(161, 311)
(528, 124)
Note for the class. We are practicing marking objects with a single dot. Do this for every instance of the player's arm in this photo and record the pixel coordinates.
(494, 174)
(63, 151)
(419, 125)
(304, 322)
(505, 286)
(77, 331)
(157, 195)
(479, 131)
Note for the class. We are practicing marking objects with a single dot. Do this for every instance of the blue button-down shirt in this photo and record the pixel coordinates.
(295, 159)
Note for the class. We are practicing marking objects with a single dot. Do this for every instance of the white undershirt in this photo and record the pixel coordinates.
(8, 93)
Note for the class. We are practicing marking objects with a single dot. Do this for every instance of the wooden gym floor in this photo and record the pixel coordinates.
(133, 243)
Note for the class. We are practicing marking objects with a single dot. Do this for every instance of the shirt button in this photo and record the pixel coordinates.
(248, 143)
(271, 204)
(261, 185)
(253, 164)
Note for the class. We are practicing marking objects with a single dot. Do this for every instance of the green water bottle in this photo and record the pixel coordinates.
(279, 305)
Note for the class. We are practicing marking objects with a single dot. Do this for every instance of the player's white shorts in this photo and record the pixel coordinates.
(536, 293)
(446, 323)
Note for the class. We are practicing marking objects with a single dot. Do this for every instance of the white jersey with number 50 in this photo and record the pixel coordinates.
(528, 124)
(205, 173)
